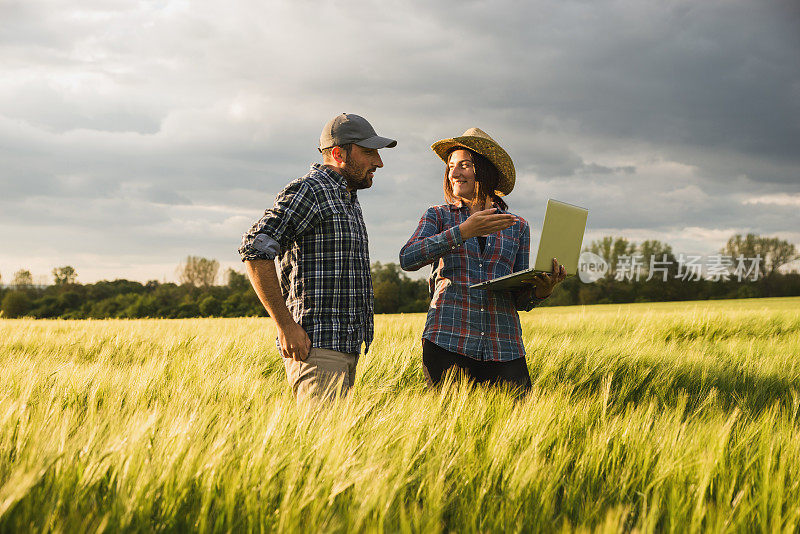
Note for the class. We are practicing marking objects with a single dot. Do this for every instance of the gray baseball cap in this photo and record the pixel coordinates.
(348, 128)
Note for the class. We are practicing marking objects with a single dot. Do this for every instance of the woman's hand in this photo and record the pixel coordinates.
(485, 222)
(544, 283)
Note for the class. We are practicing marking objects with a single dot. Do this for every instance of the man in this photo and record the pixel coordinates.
(315, 231)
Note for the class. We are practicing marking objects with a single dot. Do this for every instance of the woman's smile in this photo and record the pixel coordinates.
(462, 174)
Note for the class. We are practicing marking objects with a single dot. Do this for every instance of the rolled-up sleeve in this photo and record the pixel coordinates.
(294, 212)
(427, 243)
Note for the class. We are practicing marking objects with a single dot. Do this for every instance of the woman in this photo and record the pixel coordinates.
(471, 239)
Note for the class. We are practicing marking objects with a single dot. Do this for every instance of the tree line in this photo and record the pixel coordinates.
(195, 295)
(676, 282)
(198, 295)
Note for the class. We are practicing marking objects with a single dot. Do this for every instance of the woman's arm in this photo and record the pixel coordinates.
(428, 243)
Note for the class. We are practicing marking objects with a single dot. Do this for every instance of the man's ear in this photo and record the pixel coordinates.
(337, 155)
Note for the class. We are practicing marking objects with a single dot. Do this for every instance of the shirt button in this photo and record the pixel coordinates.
(481, 309)
(481, 333)
(480, 265)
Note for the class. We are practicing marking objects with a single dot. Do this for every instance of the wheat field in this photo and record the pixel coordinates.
(643, 417)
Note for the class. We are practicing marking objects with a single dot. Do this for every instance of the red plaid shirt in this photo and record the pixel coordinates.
(477, 323)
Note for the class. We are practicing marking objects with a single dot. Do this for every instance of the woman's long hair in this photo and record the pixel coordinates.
(486, 179)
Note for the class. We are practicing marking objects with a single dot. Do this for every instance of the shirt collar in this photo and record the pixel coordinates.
(331, 174)
(459, 205)
(335, 177)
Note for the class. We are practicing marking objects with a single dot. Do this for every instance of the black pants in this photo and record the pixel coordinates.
(436, 361)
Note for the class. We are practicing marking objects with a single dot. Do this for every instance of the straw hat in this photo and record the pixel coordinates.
(479, 141)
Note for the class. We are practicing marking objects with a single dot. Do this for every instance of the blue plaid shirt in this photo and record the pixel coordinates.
(480, 324)
(316, 231)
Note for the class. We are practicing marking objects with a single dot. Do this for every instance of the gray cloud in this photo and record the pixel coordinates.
(148, 131)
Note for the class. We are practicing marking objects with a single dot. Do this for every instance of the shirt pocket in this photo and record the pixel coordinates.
(506, 245)
(341, 225)
(332, 206)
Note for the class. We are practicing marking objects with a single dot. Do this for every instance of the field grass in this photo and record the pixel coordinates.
(650, 417)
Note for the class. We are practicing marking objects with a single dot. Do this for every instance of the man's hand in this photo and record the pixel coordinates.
(544, 283)
(486, 222)
(295, 343)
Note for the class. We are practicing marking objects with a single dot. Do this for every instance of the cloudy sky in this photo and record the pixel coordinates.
(133, 134)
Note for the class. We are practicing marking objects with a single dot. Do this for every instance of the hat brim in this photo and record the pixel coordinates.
(487, 148)
(377, 142)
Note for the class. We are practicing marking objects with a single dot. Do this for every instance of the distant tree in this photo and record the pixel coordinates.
(242, 304)
(779, 252)
(64, 275)
(387, 296)
(396, 292)
(198, 272)
(22, 279)
(659, 252)
(750, 246)
(386, 287)
(622, 247)
(236, 280)
(70, 300)
(144, 306)
(588, 294)
(186, 310)
(602, 247)
(654, 247)
(16, 304)
(774, 252)
(210, 307)
(739, 245)
(611, 248)
(414, 296)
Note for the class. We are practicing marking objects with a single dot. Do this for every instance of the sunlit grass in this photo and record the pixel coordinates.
(679, 416)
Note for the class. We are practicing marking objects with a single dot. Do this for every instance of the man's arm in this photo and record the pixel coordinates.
(294, 341)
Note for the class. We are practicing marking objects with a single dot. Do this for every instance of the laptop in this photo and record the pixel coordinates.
(562, 237)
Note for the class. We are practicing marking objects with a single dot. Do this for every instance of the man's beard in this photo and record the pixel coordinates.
(356, 175)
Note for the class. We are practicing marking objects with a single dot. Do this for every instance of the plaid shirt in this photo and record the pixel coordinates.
(316, 230)
(480, 324)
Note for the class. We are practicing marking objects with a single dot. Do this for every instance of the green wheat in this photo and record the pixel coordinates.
(649, 417)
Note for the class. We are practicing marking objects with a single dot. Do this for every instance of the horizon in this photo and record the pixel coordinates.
(42, 281)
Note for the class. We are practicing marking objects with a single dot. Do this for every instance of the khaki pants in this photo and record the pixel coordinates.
(323, 375)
